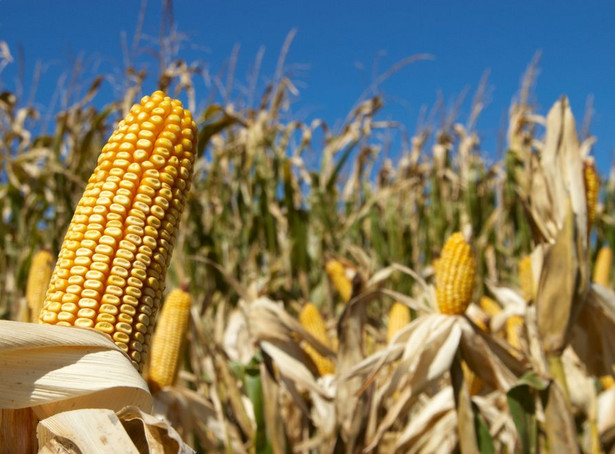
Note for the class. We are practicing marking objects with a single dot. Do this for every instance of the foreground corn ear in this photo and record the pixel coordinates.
(455, 273)
(339, 276)
(312, 321)
(111, 270)
(592, 189)
(526, 278)
(169, 338)
(602, 267)
(39, 276)
(399, 317)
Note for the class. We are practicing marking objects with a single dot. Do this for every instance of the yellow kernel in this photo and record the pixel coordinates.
(86, 313)
(116, 281)
(105, 327)
(122, 338)
(115, 290)
(66, 317)
(90, 293)
(84, 323)
(88, 303)
(108, 309)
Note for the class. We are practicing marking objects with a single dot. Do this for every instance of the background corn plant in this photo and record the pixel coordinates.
(274, 199)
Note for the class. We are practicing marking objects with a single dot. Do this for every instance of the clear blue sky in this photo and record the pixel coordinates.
(334, 39)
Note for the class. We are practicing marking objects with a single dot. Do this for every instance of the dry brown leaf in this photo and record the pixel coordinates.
(560, 294)
(436, 408)
(593, 337)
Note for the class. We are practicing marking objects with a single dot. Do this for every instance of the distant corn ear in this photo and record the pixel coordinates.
(514, 328)
(526, 278)
(169, 338)
(399, 317)
(39, 276)
(314, 324)
(602, 267)
(490, 306)
(110, 273)
(592, 189)
(339, 276)
(455, 274)
(607, 382)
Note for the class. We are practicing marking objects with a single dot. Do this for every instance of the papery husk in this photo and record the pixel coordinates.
(593, 337)
(55, 368)
(94, 431)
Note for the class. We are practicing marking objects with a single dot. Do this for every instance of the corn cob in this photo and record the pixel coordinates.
(455, 272)
(592, 189)
(339, 275)
(399, 317)
(168, 339)
(526, 278)
(38, 281)
(313, 323)
(602, 267)
(110, 273)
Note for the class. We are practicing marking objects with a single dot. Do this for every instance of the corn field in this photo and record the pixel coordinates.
(323, 312)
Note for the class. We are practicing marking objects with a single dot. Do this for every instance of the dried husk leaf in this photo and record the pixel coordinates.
(593, 336)
(488, 359)
(103, 431)
(18, 430)
(436, 408)
(559, 422)
(95, 431)
(463, 407)
(561, 291)
(56, 368)
(150, 433)
(606, 415)
(351, 409)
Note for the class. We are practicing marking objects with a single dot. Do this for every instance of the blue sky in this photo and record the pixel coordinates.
(339, 46)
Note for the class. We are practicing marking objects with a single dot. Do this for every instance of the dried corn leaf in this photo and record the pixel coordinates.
(560, 294)
(606, 415)
(103, 431)
(150, 433)
(95, 431)
(593, 336)
(436, 408)
(56, 368)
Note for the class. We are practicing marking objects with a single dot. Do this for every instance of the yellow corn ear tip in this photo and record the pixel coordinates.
(489, 306)
(526, 278)
(39, 276)
(110, 273)
(168, 339)
(399, 317)
(592, 189)
(607, 381)
(338, 274)
(514, 328)
(602, 267)
(311, 319)
(455, 274)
